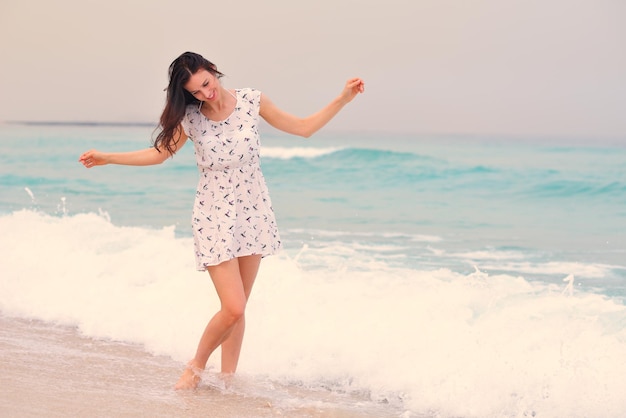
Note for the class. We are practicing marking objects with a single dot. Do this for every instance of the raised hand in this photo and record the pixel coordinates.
(353, 87)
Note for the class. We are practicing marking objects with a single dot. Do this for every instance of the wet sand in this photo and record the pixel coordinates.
(53, 371)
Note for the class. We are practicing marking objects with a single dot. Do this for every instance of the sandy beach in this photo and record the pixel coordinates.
(55, 372)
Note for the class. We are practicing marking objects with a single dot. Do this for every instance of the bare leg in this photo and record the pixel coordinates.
(229, 284)
(231, 347)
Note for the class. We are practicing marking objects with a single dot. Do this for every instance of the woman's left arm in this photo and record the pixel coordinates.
(307, 126)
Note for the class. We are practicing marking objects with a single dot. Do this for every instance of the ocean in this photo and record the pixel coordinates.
(421, 276)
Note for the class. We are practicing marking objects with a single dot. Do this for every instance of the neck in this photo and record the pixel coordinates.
(220, 109)
(222, 101)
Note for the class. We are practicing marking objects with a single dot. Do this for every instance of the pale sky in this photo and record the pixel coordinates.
(514, 67)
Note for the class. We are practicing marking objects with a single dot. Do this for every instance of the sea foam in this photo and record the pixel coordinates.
(432, 341)
(286, 153)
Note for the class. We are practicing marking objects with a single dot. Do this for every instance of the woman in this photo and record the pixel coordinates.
(233, 220)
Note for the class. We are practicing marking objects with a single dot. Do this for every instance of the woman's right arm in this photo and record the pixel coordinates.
(148, 156)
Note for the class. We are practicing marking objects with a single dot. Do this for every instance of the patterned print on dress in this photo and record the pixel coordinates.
(233, 214)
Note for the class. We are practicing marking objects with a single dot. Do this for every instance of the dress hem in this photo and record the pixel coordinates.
(202, 267)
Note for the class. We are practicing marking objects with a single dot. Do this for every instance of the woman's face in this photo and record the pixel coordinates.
(203, 85)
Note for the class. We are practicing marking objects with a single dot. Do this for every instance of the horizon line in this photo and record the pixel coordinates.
(76, 123)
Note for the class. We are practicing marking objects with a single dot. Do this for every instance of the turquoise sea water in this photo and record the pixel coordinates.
(495, 262)
(547, 200)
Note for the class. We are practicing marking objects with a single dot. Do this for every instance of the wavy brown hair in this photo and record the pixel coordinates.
(181, 69)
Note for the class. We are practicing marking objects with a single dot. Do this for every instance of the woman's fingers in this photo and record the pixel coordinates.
(353, 87)
(88, 159)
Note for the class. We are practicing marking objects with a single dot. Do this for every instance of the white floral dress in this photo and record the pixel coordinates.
(232, 213)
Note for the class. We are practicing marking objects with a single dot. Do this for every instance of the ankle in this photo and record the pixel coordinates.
(194, 368)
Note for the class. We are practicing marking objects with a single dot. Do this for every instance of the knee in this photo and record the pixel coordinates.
(234, 312)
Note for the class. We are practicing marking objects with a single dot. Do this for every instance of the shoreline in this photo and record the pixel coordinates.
(53, 371)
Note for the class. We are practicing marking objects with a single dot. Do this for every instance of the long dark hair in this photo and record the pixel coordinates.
(181, 69)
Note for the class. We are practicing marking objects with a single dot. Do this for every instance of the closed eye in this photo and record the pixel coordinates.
(206, 83)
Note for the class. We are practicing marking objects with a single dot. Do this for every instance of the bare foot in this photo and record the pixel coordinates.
(190, 378)
(227, 378)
